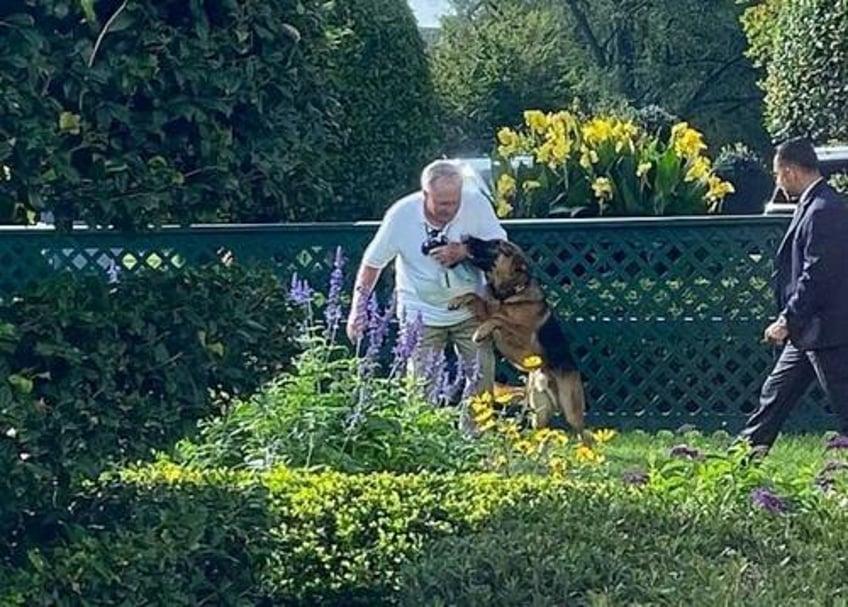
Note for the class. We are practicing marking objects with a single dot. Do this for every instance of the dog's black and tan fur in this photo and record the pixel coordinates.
(521, 323)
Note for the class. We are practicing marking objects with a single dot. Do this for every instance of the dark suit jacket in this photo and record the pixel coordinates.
(812, 271)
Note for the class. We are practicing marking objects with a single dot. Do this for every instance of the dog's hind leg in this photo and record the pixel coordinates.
(572, 400)
(540, 398)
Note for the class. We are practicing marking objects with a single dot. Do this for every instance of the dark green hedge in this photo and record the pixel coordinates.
(807, 71)
(135, 114)
(94, 373)
(169, 536)
(381, 78)
(213, 110)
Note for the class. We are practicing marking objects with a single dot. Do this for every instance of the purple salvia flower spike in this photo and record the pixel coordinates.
(333, 309)
(838, 442)
(472, 378)
(768, 501)
(369, 362)
(452, 387)
(433, 368)
(406, 343)
(300, 292)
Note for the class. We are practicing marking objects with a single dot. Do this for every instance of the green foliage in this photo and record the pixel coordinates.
(753, 182)
(602, 165)
(683, 55)
(145, 543)
(335, 539)
(138, 113)
(839, 181)
(97, 373)
(301, 538)
(337, 410)
(633, 550)
(804, 49)
(487, 71)
(324, 414)
(379, 74)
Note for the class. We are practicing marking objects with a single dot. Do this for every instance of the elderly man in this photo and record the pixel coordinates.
(812, 293)
(422, 233)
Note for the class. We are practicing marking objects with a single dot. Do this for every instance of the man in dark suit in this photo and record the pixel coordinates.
(812, 294)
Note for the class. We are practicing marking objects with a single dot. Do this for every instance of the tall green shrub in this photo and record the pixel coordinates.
(93, 373)
(380, 76)
(804, 49)
(487, 72)
(142, 112)
(500, 57)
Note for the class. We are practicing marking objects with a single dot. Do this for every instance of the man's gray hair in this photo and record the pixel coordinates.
(440, 169)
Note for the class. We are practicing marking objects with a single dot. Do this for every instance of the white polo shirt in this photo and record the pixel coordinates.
(424, 286)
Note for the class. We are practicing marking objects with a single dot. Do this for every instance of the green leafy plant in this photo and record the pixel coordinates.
(97, 373)
(753, 182)
(337, 409)
(388, 123)
(803, 47)
(139, 113)
(606, 165)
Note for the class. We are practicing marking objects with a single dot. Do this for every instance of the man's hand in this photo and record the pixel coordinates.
(450, 254)
(776, 333)
(355, 327)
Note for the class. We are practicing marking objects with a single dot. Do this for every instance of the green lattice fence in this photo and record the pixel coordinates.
(666, 314)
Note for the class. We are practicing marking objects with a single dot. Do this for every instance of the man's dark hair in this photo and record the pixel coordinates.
(798, 152)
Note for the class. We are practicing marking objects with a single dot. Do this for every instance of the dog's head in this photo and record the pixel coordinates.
(503, 262)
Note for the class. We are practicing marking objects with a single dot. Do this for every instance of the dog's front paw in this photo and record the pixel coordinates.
(461, 301)
(482, 333)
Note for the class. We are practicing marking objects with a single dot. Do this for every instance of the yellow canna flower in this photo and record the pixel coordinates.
(698, 169)
(588, 157)
(643, 169)
(531, 362)
(544, 153)
(510, 142)
(503, 208)
(598, 130)
(718, 189)
(536, 120)
(506, 185)
(530, 185)
(563, 119)
(687, 142)
(602, 187)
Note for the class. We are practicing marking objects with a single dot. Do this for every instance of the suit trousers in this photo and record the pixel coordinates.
(792, 374)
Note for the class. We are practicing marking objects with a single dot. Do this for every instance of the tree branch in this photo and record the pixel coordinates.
(586, 30)
(104, 30)
(709, 81)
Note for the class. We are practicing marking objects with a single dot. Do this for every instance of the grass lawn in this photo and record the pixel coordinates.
(805, 454)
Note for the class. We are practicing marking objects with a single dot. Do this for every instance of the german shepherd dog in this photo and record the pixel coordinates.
(522, 324)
